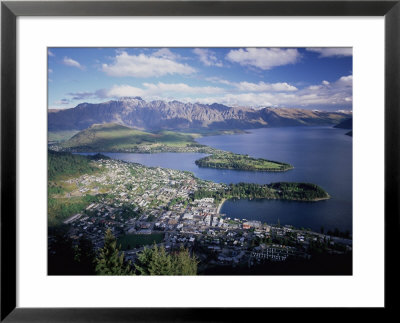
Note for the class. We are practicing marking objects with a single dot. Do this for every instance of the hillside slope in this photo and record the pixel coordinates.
(115, 137)
(345, 124)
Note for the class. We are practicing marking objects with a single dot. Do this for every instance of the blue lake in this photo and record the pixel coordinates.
(320, 155)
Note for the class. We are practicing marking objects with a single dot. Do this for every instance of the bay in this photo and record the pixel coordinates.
(320, 155)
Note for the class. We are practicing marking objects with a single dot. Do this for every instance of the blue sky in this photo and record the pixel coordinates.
(310, 78)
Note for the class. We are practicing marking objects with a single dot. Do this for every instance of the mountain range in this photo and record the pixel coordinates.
(174, 115)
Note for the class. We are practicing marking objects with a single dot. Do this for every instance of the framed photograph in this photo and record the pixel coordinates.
(177, 155)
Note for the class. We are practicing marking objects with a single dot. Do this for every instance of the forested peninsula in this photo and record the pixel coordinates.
(282, 190)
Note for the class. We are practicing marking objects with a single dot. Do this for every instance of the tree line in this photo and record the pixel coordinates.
(67, 257)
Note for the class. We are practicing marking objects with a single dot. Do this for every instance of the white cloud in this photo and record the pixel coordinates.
(70, 62)
(207, 57)
(243, 99)
(50, 53)
(62, 102)
(326, 93)
(165, 53)
(255, 87)
(265, 87)
(332, 51)
(264, 58)
(345, 81)
(216, 79)
(337, 93)
(314, 87)
(144, 66)
(123, 90)
(160, 89)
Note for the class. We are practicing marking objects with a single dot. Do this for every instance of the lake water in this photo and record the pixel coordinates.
(320, 155)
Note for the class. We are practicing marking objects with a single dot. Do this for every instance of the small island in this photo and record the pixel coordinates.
(228, 160)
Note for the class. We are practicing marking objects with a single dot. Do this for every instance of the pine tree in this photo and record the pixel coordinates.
(161, 263)
(144, 260)
(85, 256)
(184, 264)
(110, 261)
(156, 261)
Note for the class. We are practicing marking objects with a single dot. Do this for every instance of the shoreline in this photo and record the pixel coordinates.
(220, 205)
(249, 170)
(275, 199)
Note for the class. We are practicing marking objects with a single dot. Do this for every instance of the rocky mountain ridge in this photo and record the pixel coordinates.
(175, 115)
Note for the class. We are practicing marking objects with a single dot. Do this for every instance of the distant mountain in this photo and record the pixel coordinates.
(345, 124)
(175, 115)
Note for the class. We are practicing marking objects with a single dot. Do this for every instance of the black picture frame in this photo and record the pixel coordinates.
(10, 10)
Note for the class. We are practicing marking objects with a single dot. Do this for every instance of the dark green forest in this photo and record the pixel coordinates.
(78, 257)
(281, 190)
(66, 164)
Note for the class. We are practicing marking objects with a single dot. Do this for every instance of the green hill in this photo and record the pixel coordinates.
(115, 137)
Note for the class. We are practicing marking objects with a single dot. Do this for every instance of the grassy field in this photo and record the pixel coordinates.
(241, 162)
(59, 209)
(131, 241)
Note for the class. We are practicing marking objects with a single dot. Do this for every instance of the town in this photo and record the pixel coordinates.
(152, 205)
